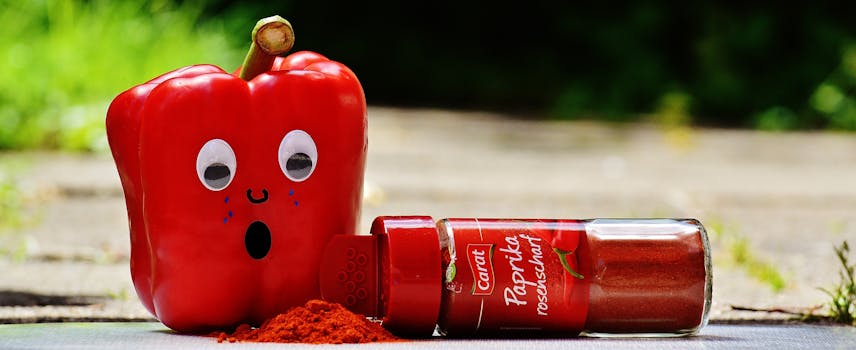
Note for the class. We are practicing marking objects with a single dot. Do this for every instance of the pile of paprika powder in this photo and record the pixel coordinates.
(317, 322)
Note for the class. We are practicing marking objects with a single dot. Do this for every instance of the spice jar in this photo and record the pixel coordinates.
(465, 277)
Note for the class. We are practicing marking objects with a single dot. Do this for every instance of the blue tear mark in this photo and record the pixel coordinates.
(291, 192)
(296, 203)
(227, 200)
(230, 213)
(225, 220)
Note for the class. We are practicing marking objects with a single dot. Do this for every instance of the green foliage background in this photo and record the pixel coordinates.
(773, 66)
(64, 61)
(767, 65)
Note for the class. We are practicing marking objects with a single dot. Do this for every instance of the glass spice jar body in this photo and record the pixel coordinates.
(489, 277)
(648, 276)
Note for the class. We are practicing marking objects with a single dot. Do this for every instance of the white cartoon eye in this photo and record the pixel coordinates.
(216, 164)
(298, 156)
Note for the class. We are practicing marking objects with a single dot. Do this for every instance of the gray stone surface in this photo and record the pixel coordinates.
(790, 196)
(155, 336)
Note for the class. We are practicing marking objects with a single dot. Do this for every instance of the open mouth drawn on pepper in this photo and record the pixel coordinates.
(257, 240)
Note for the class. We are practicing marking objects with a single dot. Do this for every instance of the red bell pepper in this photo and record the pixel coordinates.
(234, 186)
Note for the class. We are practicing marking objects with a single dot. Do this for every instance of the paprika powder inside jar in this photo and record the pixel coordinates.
(504, 277)
(648, 277)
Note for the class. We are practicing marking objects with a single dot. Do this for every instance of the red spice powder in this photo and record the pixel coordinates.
(317, 322)
(647, 285)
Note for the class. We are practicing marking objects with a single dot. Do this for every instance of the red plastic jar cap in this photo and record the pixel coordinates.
(395, 274)
(411, 273)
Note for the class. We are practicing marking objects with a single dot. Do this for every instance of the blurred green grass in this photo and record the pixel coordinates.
(65, 61)
(770, 68)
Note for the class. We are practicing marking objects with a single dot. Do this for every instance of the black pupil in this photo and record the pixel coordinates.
(298, 165)
(217, 175)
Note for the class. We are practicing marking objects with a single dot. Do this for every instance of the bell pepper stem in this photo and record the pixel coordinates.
(272, 36)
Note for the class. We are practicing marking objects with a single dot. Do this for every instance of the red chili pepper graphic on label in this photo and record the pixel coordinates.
(564, 243)
(563, 258)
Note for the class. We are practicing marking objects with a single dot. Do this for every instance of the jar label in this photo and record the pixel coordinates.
(523, 275)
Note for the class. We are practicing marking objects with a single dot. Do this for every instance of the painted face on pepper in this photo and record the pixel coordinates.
(233, 187)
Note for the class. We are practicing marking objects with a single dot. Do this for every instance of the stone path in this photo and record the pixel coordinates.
(788, 198)
(151, 335)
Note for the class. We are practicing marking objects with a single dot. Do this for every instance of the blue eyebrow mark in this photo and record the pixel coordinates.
(291, 192)
(227, 200)
(225, 220)
(230, 213)
(296, 203)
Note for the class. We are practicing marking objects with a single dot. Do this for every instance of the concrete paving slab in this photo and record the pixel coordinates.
(155, 336)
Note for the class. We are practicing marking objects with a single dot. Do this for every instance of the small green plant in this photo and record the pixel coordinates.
(740, 254)
(755, 267)
(842, 305)
(10, 205)
(120, 294)
(17, 210)
(12, 218)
